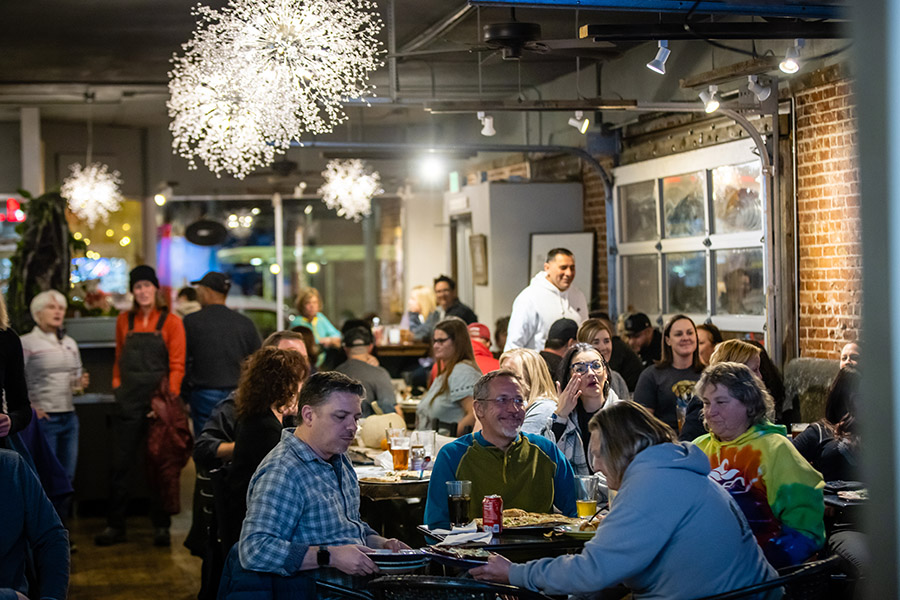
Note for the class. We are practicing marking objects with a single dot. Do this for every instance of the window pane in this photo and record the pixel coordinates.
(641, 275)
(739, 282)
(637, 211)
(683, 198)
(687, 282)
(737, 205)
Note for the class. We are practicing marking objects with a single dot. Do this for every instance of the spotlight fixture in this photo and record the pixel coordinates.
(658, 64)
(791, 62)
(708, 96)
(580, 122)
(488, 125)
(761, 91)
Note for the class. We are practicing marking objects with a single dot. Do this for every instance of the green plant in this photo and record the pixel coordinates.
(42, 259)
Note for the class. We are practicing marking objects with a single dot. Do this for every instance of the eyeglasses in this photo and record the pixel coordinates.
(582, 367)
(504, 401)
(438, 340)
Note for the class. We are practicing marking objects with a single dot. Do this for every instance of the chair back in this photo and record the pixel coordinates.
(807, 581)
(417, 587)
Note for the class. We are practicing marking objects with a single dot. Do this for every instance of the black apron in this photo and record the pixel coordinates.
(143, 364)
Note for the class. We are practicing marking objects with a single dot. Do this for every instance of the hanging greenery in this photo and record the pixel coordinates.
(43, 255)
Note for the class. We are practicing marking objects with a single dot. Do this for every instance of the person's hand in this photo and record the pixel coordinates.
(5, 425)
(567, 399)
(496, 570)
(41, 414)
(85, 379)
(21, 596)
(151, 415)
(394, 545)
(352, 560)
(372, 360)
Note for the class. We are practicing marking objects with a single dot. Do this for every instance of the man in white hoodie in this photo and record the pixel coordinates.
(549, 297)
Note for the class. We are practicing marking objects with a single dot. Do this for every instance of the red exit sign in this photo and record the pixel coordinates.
(13, 212)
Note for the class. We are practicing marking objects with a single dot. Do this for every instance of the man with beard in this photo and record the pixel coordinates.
(526, 470)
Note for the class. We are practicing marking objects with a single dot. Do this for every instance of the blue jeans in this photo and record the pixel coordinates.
(61, 433)
(202, 402)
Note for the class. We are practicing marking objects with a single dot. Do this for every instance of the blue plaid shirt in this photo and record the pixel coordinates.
(297, 500)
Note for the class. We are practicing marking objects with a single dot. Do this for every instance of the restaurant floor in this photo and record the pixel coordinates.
(136, 569)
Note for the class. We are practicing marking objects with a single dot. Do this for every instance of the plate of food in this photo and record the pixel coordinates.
(584, 531)
(464, 558)
(385, 555)
(840, 485)
(518, 520)
(860, 495)
(383, 476)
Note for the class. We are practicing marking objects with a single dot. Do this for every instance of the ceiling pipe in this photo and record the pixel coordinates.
(449, 22)
(716, 31)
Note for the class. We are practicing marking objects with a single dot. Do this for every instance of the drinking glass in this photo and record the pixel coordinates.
(426, 439)
(586, 490)
(459, 495)
(398, 442)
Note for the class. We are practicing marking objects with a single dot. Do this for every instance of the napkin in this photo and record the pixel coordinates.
(472, 537)
(385, 460)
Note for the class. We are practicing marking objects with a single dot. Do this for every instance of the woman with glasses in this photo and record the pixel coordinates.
(598, 334)
(540, 393)
(584, 389)
(667, 387)
(447, 405)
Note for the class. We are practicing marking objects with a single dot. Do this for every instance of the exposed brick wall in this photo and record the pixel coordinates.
(830, 269)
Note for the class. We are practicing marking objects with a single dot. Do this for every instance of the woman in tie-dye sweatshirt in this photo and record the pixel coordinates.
(778, 490)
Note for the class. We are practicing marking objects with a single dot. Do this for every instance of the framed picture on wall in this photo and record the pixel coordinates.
(581, 244)
(478, 250)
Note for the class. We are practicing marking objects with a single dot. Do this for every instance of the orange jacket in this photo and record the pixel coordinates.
(173, 337)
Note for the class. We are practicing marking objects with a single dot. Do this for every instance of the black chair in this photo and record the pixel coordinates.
(808, 581)
(417, 587)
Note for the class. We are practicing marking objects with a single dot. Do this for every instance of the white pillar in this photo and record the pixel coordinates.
(32, 157)
(876, 27)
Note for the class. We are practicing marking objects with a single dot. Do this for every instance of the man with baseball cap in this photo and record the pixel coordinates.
(644, 339)
(562, 335)
(481, 344)
(358, 343)
(218, 340)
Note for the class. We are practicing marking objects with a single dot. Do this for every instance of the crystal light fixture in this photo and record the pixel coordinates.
(260, 73)
(349, 188)
(92, 191)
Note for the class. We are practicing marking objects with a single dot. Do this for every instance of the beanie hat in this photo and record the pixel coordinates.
(142, 273)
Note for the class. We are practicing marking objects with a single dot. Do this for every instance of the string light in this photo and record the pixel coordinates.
(260, 73)
(349, 188)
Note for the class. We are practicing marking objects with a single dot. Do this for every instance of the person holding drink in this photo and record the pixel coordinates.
(528, 471)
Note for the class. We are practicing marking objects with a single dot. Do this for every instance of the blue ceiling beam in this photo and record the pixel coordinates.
(759, 8)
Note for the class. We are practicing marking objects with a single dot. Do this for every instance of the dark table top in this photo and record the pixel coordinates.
(520, 547)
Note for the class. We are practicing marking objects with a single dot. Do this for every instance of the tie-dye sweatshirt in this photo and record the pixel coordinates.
(778, 490)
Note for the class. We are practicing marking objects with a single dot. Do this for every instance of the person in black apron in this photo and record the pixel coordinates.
(143, 362)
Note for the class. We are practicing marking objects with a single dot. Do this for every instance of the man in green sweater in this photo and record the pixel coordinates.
(526, 470)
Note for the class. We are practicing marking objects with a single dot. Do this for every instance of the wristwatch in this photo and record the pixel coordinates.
(323, 556)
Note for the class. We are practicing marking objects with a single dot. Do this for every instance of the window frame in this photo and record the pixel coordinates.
(706, 160)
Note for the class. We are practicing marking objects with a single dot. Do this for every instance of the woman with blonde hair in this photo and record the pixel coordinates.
(447, 406)
(421, 303)
(541, 392)
(12, 380)
(598, 334)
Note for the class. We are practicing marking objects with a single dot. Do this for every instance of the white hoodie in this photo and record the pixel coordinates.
(537, 307)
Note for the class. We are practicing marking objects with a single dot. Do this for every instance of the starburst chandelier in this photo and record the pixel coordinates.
(92, 191)
(260, 73)
(349, 188)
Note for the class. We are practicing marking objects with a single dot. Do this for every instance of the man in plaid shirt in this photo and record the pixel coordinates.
(303, 500)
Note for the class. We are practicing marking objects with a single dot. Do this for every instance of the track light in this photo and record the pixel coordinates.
(761, 91)
(488, 122)
(658, 64)
(710, 102)
(580, 122)
(791, 62)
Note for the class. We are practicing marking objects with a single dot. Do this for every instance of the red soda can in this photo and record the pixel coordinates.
(492, 513)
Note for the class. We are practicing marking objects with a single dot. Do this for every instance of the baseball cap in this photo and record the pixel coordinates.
(218, 282)
(636, 323)
(357, 336)
(563, 330)
(479, 330)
